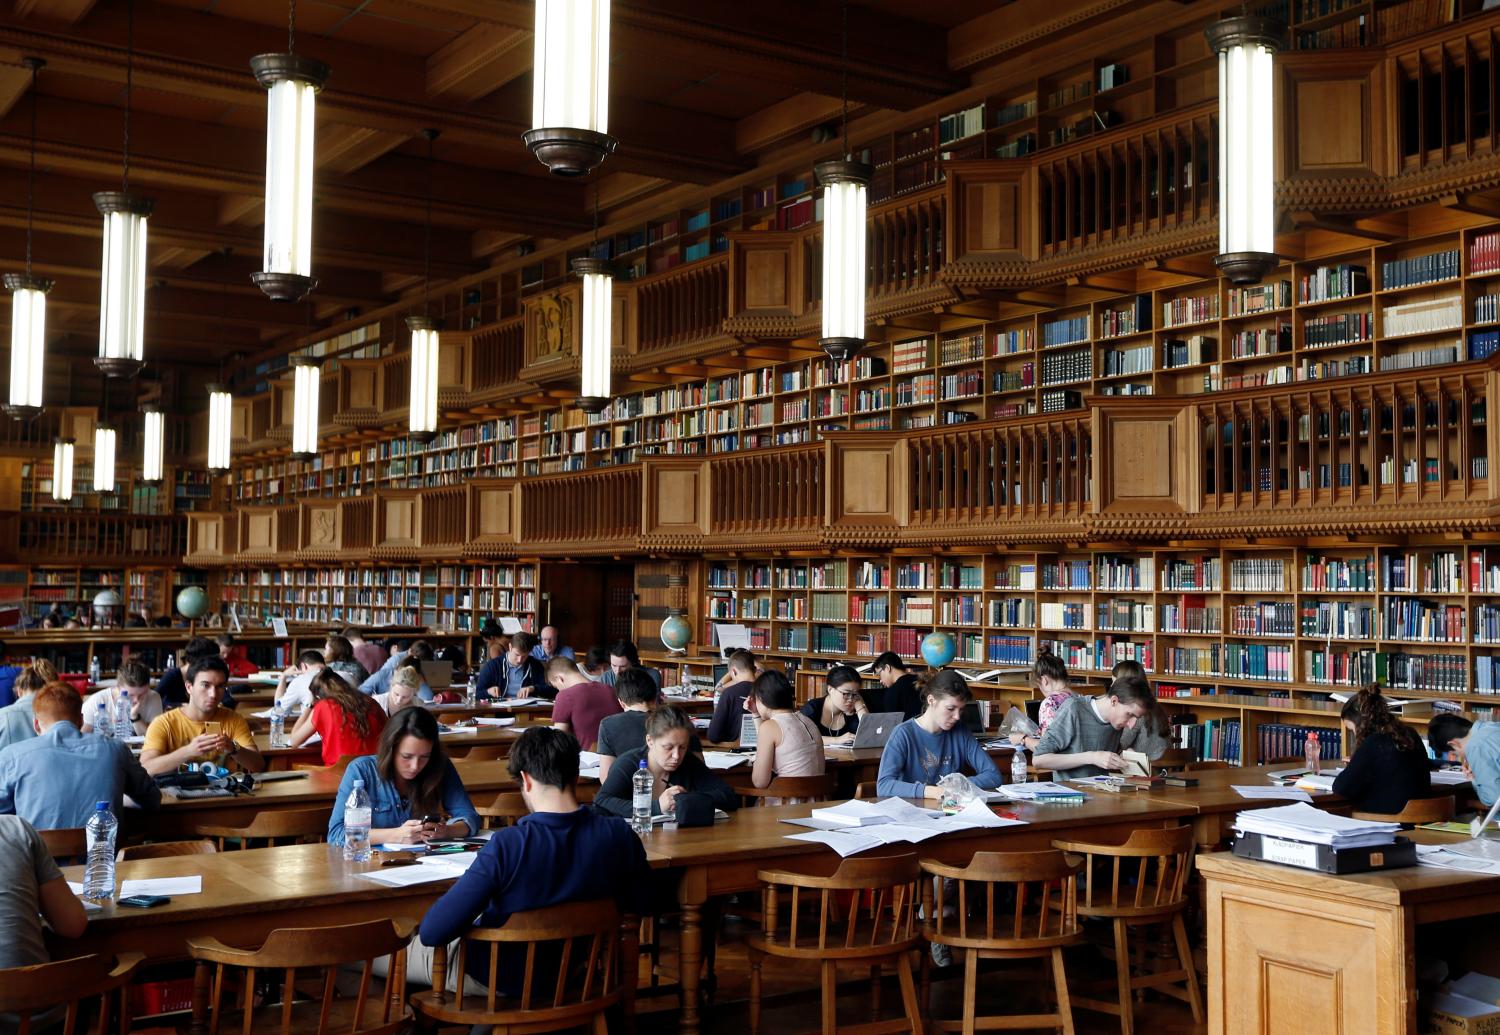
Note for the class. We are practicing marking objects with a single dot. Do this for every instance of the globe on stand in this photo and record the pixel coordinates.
(938, 649)
(192, 603)
(676, 633)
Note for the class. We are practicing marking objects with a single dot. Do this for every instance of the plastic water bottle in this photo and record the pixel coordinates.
(103, 723)
(471, 694)
(1018, 765)
(96, 672)
(357, 824)
(99, 874)
(640, 800)
(278, 726)
(1314, 753)
(124, 725)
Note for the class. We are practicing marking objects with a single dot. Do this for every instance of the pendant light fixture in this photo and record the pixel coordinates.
(1247, 144)
(292, 83)
(122, 278)
(305, 385)
(62, 470)
(422, 412)
(570, 86)
(28, 299)
(104, 457)
(846, 185)
(596, 332)
(153, 445)
(220, 414)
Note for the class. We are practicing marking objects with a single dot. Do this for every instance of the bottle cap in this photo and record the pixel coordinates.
(642, 764)
(102, 806)
(359, 783)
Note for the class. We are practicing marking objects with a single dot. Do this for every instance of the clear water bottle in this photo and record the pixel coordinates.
(1018, 765)
(357, 824)
(471, 694)
(1314, 753)
(640, 800)
(124, 724)
(99, 873)
(96, 671)
(278, 726)
(103, 721)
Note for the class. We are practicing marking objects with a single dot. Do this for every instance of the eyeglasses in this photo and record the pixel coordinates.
(848, 695)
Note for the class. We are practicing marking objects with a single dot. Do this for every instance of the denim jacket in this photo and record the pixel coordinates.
(387, 807)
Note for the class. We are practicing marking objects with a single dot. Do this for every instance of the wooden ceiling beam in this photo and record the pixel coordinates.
(478, 63)
(70, 11)
(798, 114)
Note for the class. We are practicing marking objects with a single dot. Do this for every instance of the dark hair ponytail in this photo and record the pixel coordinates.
(1368, 712)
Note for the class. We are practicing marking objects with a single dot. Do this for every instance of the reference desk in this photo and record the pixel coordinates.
(1296, 952)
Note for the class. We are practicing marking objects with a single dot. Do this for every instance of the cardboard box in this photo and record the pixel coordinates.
(1460, 1015)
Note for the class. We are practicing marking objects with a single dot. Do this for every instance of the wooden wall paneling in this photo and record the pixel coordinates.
(624, 324)
(867, 481)
(78, 424)
(320, 531)
(552, 328)
(398, 519)
(494, 514)
(675, 500)
(1334, 115)
(1138, 464)
(359, 388)
(10, 482)
(443, 516)
(990, 212)
(356, 523)
(765, 280)
(210, 537)
(453, 361)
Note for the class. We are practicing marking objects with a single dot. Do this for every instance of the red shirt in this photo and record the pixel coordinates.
(340, 735)
(583, 706)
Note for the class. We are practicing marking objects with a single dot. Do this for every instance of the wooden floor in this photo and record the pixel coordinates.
(790, 1005)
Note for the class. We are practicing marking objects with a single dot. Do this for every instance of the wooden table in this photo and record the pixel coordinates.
(1216, 802)
(456, 744)
(1296, 952)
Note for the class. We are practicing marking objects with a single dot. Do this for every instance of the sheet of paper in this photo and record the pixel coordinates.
(977, 814)
(845, 842)
(1317, 782)
(163, 886)
(903, 833)
(723, 759)
(1136, 763)
(453, 860)
(510, 626)
(454, 731)
(1267, 793)
(1449, 777)
(406, 876)
(589, 759)
(391, 846)
(520, 702)
(495, 720)
(1439, 855)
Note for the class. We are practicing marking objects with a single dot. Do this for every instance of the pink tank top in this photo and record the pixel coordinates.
(800, 752)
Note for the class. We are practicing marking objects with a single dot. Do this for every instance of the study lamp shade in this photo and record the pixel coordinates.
(305, 385)
(62, 470)
(122, 290)
(422, 415)
(104, 458)
(153, 444)
(1247, 145)
(220, 415)
(28, 342)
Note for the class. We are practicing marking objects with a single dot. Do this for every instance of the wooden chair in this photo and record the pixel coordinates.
(290, 825)
(866, 789)
(25, 991)
(1042, 919)
(485, 753)
(1175, 758)
(66, 842)
(507, 807)
(165, 850)
(571, 959)
(312, 948)
(337, 767)
(1417, 811)
(1163, 861)
(790, 789)
(817, 924)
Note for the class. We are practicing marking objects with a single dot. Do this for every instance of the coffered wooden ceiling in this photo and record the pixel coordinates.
(700, 89)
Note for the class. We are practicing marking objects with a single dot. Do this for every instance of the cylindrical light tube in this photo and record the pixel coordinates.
(62, 470)
(1247, 145)
(153, 444)
(845, 200)
(422, 416)
(28, 341)
(596, 337)
(292, 83)
(570, 86)
(305, 405)
(104, 458)
(220, 415)
(122, 292)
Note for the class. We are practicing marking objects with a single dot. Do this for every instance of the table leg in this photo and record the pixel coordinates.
(692, 892)
(201, 989)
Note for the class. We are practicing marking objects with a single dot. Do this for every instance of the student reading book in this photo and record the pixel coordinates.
(1084, 738)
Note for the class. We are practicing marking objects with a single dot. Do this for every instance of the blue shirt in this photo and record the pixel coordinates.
(914, 760)
(545, 859)
(53, 781)
(8, 674)
(388, 808)
(380, 681)
(511, 680)
(1482, 756)
(15, 723)
(542, 656)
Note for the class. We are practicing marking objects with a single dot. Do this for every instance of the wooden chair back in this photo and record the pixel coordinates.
(483, 753)
(289, 950)
(866, 789)
(507, 807)
(1175, 758)
(25, 991)
(165, 850)
(1418, 810)
(1147, 875)
(790, 789)
(1004, 900)
(570, 963)
(337, 767)
(66, 842)
(285, 825)
(806, 915)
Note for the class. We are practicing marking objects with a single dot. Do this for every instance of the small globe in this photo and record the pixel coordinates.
(192, 603)
(676, 632)
(938, 649)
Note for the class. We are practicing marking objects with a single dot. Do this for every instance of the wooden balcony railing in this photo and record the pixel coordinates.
(682, 305)
(578, 508)
(444, 516)
(43, 538)
(754, 493)
(496, 354)
(903, 247)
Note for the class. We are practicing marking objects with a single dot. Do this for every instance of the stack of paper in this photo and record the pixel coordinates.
(1041, 791)
(588, 764)
(1449, 777)
(857, 826)
(1302, 822)
(723, 759)
(495, 720)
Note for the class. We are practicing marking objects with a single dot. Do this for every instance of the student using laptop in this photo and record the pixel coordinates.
(730, 709)
(1389, 765)
(838, 711)
(1051, 678)
(787, 742)
(1084, 737)
(924, 750)
(1476, 745)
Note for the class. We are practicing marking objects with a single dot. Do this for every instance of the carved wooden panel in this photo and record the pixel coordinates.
(1334, 118)
(360, 384)
(259, 535)
(206, 540)
(492, 513)
(764, 271)
(452, 360)
(866, 482)
(321, 527)
(675, 501)
(551, 327)
(988, 211)
(398, 520)
(765, 279)
(1142, 455)
(1139, 462)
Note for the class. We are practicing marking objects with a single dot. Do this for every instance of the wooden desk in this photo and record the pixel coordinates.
(454, 743)
(1217, 802)
(1295, 952)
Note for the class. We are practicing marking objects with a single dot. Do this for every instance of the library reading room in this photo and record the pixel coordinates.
(836, 516)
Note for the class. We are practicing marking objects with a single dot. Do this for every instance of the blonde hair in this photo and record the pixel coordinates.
(408, 676)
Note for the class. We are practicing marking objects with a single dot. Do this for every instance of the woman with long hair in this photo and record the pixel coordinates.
(348, 721)
(1388, 765)
(415, 792)
(923, 750)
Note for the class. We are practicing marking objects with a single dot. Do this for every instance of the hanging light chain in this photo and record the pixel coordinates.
(291, 26)
(844, 76)
(129, 86)
(431, 135)
(36, 66)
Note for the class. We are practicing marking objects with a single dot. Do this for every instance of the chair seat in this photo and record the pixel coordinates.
(1029, 946)
(759, 943)
(447, 1009)
(1132, 913)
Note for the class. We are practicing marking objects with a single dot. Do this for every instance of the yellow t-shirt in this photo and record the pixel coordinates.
(172, 730)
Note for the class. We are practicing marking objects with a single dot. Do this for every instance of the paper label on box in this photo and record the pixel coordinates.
(1289, 853)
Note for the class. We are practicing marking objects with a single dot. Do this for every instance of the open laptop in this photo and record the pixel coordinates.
(437, 674)
(874, 730)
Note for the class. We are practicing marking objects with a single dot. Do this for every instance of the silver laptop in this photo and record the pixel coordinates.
(438, 675)
(875, 729)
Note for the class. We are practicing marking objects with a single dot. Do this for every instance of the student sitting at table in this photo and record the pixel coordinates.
(172, 686)
(923, 750)
(787, 743)
(1474, 744)
(729, 709)
(595, 666)
(380, 680)
(625, 731)
(34, 890)
(1083, 739)
(410, 665)
(559, 853)
(838, 711)
(1152, 735)
(348, 721)
(899, 691)
(1388, 767)
(235, 656)
(515, 673)
(8, 674)
(622, 656)
(1050, 676)
(674, 769)
(55, 779)
(581, 704)
(338, 653)
(406, 686)
(16, 719)
(202, 730)
(133, 679)
(293, 691)
(412, 785)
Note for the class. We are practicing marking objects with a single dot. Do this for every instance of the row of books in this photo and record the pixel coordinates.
(1424, 317)
(1420, 269)
(1433, 357)
(1130, 319)
(1327, 283)
(1260, 298)
(1068, 331)
(1423, 621)
(1100, 655)
(1186, 352)
(1289, 740)
(1338, 329)
(1484, 253)
(1257, 661)
(1355, 667)
(1014, 380)
(1189, 310)
(1263, 341)
(1067, 367)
